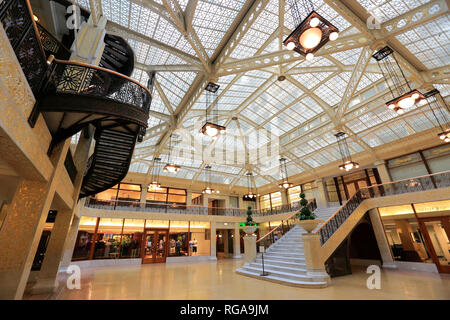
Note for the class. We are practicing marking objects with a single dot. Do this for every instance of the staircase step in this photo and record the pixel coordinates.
(279, 274)
(280, 280)
(282, 262)
(274, 267)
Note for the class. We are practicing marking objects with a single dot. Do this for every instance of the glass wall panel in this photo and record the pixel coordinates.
(132, 238)
(84, 239)
(178, 238)
(110, 194)
(438, 158)
(407, 166)
(108, 237)
(404, 235)
(200, 239)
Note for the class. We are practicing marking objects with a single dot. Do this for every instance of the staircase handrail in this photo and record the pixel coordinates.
(51, 44)
(414, 184)
(311, 205)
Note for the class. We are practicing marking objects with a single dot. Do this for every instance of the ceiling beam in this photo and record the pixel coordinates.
(355, 78)
(117, 29)
(177, 14)
(168, 67)
(286, 56)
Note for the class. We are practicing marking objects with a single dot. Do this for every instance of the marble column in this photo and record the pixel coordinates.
(236, 242)
(22, 229)
(321, 194)
(47, 277)
(383, 244)
(213, 255)
(284, 197)
(383, 171)
(70, 241)
(189, 198)
(226, 249)
(143, 200)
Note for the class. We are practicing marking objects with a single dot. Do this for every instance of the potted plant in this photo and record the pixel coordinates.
(307, 218)
(250, 226)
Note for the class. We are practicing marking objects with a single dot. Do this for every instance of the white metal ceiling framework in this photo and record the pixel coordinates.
(238, 44)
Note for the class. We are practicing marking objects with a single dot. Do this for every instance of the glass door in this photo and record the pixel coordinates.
(436, 231)
(154, 249)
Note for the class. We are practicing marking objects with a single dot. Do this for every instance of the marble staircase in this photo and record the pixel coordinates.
(284, 261)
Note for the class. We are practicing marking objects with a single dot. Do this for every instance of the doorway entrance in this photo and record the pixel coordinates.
(155, 246)
(436, 231)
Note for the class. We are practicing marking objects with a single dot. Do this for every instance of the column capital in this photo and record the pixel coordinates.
(379, 163)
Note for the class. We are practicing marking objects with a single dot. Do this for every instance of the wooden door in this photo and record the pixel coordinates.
(155, 246)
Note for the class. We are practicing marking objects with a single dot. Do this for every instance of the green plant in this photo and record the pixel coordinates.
(305, 213)
(249, 217)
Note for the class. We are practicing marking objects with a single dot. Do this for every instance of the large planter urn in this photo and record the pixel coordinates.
(249, 230)
(309, 225)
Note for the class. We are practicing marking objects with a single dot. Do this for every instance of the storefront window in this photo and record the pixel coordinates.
(84, 239)
(108, 238)
(294, 194)
(200, 238)
(179, 238)
(264, 202)
(276, 199)
(404, 235)
(132, 238)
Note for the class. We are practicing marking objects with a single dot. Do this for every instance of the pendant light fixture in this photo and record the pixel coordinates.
(312, 32)
(211, 128)
(348, 164)
(284, 175)
(403, 97)
(155, 174)
(250, 196)
(171, 168)
(441, 113)
(208, 188)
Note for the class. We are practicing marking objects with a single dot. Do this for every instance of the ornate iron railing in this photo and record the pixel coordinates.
(417, 184)
(136, 205)
(51, 45)
(122, 95)
(16, 17)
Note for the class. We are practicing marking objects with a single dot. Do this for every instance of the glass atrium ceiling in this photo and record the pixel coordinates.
(237, 44)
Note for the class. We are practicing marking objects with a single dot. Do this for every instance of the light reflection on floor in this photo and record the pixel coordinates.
(217, 280)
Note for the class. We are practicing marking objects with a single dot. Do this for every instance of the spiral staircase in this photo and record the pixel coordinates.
(71, 95)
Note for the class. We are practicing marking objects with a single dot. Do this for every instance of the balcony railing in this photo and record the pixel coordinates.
(130, 205)
(51, 45)
(417, 184)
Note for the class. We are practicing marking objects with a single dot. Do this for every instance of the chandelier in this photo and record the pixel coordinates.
(170, 167)
(403, 97)
(284, 175)
(155, 174)
(312, 32)
(348, 164)
(441, 113)
(211, 128)
(208, 189)
(250, 196)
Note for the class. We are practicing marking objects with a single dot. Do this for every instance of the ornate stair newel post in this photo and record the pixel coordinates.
(311, 243)
(249, 238)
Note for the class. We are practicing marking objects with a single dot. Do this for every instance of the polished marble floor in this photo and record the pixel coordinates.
(217, 280)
